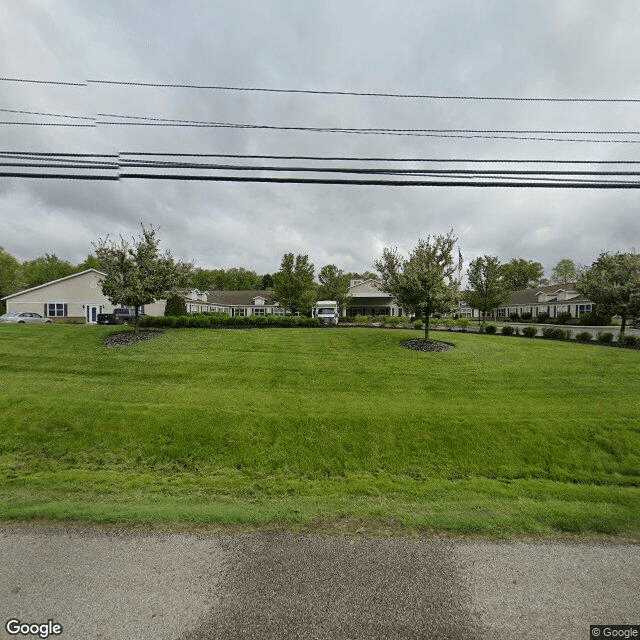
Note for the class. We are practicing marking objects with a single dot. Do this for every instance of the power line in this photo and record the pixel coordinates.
(53, 82)
(376, 94)
(565, 184)
(361, 93)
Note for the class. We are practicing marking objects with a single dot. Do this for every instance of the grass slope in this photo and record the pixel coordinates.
(498, 436)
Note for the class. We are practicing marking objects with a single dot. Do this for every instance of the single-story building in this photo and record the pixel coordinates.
(74, 298)
(368, 299)
(234, 303)
(552, 299)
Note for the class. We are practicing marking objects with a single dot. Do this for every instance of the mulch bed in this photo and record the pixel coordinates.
(420, 344)
(127, 339)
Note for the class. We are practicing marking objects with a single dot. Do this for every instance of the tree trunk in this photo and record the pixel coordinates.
(623, 326)
(427, 313)
(137, 322)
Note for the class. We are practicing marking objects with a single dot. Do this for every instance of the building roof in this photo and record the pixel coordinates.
(239, 298)
(529, 297)
(47, 284)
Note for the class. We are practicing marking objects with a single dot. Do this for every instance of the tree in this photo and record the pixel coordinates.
(564, 272)
(10, 276)
(520, 274)
(293, 286)
(91, 262)
(334, 285)
(487, 286)
(137, 273)
(267, 281)
(176, 306)
(425, 282)
(45, 269)
(613, 284)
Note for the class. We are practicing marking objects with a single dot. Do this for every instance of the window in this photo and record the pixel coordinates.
(55, 310)
(278, 311)
(239, 311)
(258, 311)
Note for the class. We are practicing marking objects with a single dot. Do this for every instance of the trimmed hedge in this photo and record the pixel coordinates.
(490, 328)
(530, 332)
(223, 321)
(605, 338)
(507, 330)
(583, 336)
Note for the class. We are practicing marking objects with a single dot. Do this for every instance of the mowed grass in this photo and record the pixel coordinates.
(295, 427)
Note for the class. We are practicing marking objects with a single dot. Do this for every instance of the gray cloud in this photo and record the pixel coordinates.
(547, 48)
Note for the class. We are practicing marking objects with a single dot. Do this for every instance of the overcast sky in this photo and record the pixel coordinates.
(541, 48)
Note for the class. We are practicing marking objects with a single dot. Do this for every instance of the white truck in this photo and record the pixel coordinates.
(327, 310)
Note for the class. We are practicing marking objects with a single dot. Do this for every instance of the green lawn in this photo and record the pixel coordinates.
(292, 427)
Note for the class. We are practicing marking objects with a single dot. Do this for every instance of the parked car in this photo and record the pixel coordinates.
(23, 317)
(119, 316)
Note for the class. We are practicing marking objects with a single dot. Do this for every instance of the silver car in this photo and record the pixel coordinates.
(23, 317)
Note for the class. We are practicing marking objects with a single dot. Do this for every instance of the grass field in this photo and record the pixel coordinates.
(295, 428)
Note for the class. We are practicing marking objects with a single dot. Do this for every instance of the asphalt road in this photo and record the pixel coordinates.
(123, 585)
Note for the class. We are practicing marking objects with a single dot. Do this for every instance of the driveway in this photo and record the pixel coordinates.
(124, 585)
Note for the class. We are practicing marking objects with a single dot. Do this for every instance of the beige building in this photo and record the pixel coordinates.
(368, 299)
(74, 298)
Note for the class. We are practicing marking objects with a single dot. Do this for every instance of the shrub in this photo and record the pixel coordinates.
(417, 324)
(530, 332)
(490, 328)
(176, 306)
(563, 317)
(606, 337)
(362, 319)
(346, 320)
(583, 336)
(507, 330)
(464, 323)
(552, 333)
(514, 317)
(543, 317)
(449, 323)
(630, 341)
(516, 331)
(595, 319)
(526, 316)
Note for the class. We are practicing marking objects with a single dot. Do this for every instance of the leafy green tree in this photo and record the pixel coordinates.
(293, 286)
(612, 282)
(267, 281)
(241, 279)
(44, 269)
(520, 274)
(176, 305)
(425, 282)
(10, 276)
(334, 285)
(564, 272)
(137, 273)
(487, 288)
(91, 262)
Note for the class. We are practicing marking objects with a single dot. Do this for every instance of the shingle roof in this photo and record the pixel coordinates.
(239, 298)
(530, 296)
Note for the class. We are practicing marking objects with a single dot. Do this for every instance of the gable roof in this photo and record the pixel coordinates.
(47, 284)
(240, 298)
(529, 297)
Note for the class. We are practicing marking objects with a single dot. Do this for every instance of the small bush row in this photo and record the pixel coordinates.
(221, 321)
